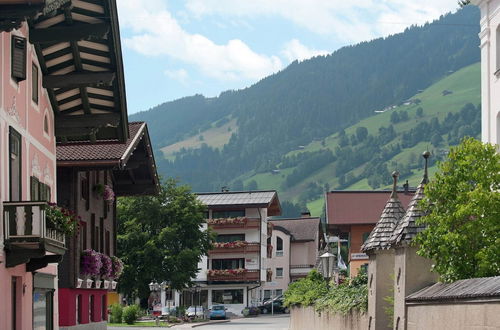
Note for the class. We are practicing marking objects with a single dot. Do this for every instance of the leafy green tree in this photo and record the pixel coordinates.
(361, 133)
(394, 117)
(420, 112)
(463, 223)
(161, 238)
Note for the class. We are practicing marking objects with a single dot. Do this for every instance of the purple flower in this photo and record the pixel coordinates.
(117, 267)
(90, 263)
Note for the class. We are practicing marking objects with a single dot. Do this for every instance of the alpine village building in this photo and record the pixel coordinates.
(61, 88)
(236, 268)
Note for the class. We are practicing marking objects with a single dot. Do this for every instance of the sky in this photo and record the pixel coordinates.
(177, 48)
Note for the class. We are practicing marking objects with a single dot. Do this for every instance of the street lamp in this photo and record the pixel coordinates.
(197, 290)
(327, 261)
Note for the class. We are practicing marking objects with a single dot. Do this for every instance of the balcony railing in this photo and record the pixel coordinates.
(253, 247)
(249, 275)
(223, 223)
(28, 234)
(300, 270)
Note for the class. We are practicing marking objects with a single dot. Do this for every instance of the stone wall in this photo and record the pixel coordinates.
(307, 318)
(455, 315)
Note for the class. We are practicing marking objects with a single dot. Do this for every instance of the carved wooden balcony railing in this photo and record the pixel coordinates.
(247, 247)
(224, 223)
(248, 275)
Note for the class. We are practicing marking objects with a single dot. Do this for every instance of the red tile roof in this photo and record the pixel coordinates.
(359, 207)
(100, 151)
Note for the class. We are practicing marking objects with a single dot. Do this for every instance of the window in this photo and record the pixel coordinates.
(46, 124)
(228, 214)
(107, 251)
(104, 311)
(18, 58)
(79, 309)
(83, 239)
(92, 232)
(101, 234)
(279, 247)
(15, 182)
(228, 263)
(34, 83)
(230, 238)
(278, 292)
(39, 191)
(227, 296)
(267, 294)
(279, 272)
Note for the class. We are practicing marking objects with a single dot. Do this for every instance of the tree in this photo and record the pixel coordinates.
(394, 117)
(361, 133)
(420, 112)
(161, 238)
(462, 232)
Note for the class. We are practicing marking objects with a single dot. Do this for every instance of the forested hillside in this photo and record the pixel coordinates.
(312, 103)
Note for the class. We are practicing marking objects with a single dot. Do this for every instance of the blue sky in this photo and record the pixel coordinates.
(175, 48)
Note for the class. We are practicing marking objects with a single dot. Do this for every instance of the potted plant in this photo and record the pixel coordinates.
(61, 219)
(90, 266)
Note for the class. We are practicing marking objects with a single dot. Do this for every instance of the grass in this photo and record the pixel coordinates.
(215, 137)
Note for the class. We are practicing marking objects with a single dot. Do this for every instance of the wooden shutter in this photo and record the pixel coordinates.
(18, 62)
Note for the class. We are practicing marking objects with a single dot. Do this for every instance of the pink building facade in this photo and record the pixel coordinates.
(27, 174)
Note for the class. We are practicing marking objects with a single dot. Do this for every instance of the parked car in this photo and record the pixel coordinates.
(217, 312)
(195, 312)
(276, 307)
(172, 311)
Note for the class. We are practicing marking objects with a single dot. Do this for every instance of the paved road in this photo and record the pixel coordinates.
(277, 322)
(262, 322)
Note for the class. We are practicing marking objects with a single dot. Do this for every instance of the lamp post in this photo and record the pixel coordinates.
(197, 290)
(327, 261)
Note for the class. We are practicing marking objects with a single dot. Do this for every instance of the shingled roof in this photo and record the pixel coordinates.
(300, 229)
(263, 198)
(391, 215)
(408, 228)
(462, 289)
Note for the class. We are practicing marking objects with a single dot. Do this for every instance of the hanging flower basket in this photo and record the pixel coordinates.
(116, 268)
(88, 283)
(62, 219)
(79, 282)
(230, 245)
(98, 284)
(106, 284)
(227, 221)
(113, 285)
(90, 263)
(108, 194)
(107, 266)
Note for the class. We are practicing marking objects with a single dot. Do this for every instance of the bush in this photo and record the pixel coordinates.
(306, 291)
(130, 314)
(116, 313)
(346, 297)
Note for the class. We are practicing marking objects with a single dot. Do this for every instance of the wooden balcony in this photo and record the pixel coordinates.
(300, 270)
(232, 223)
(248, 248)
(251, 275)
(29, 238)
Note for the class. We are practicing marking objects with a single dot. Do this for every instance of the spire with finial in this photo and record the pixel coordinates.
(407, 228)
(393, 211)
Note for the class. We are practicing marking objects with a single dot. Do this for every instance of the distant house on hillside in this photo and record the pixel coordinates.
(351, 215)
(446, 92)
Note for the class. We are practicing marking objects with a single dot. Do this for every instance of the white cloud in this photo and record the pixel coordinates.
(295, 50)
(349, 21)
(157, 32)
(180, 75)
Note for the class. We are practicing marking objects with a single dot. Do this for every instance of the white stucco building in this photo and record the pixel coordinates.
(490, 69)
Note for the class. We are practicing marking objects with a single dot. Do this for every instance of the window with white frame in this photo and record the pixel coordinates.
(279, 272)
(279, 247)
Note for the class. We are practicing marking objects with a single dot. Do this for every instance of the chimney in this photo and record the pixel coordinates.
(305, 214)
(406, 187)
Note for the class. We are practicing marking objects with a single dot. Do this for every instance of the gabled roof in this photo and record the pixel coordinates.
(408, 228)
(79, 52)
(380, 236)
(300, 229)
(463, 289)
(232, 199)
(359, 207)
(132, 162)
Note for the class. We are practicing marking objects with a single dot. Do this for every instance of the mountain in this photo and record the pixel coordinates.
(241, 135)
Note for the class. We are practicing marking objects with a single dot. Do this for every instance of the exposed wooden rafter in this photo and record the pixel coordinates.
(69, 33)
(79, 79)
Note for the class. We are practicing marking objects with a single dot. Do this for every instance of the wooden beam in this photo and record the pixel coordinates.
(79, 79)
(87, 121)
(75, 131)
(69, 33)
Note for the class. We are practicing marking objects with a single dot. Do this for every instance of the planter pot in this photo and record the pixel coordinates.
(79, 282)
(113, 285)
(98, 284)
(88, 283)
(106, 285)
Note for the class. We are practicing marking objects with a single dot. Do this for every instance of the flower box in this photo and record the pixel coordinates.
(113, 285)
(106, 284)
(88, 283)
(98, 284)
(79, 282)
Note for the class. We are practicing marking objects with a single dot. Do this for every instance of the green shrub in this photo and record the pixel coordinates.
(130, 314)
(116, 313)
(306, 291)
(346, 297)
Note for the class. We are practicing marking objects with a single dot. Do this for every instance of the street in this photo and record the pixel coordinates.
(263, 322)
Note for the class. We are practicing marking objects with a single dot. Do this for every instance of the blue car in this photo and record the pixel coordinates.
(217, 312)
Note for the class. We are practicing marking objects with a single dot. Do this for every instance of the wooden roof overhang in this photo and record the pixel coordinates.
(134, 173)
(78, 47)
